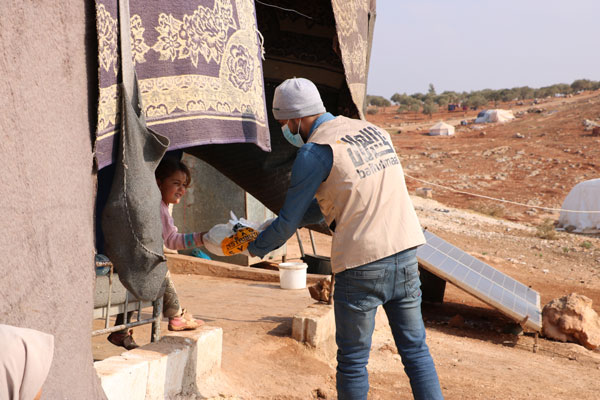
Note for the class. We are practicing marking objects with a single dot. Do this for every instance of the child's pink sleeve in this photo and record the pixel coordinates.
(171, 237)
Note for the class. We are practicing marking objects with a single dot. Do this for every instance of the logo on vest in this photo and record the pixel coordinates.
(371, 151)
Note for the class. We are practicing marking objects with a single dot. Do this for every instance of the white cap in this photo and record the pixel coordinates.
(296, 98)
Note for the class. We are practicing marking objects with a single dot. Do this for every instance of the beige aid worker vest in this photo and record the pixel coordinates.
(365, 194)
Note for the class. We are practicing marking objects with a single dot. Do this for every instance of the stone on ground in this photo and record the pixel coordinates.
(571, 318)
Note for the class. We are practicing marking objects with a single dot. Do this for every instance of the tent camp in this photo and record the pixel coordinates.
(441, 128)
(585, 196)
(496, 115)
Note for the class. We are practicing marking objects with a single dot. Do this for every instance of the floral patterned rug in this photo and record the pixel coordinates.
(199, 69)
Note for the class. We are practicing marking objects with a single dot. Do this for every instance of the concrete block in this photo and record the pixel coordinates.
(206, 345)
(179, 363)
(157, 370)
(315, 325)
(123, 379)
(182, 264)
(166, 367)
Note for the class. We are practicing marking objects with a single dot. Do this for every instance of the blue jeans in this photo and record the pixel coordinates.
(394, 283)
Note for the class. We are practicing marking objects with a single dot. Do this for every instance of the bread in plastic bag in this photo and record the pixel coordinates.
(233, 237)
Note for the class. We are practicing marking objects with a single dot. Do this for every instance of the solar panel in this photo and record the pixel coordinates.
(481, 280)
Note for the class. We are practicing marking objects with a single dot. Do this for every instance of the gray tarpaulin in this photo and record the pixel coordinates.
(131, 219)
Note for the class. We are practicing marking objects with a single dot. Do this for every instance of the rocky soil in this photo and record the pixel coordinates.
(535, 159)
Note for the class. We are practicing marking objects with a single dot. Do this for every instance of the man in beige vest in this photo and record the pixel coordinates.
(352, 169)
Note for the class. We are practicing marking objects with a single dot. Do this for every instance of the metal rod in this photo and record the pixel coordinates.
(535, 342)
(300, 243)
(156, 316)
(312, 242)
(110, 277)
(126, 314)
(139, 310)
(121, 327)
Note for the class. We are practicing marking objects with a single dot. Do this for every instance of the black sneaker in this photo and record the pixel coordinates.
(123, 339)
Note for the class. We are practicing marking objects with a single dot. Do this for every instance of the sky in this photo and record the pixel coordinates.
(464, 45)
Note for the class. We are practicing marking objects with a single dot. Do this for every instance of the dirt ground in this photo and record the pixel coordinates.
(484, 357)
(480, 359)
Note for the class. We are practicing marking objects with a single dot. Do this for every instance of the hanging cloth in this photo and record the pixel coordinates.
(131, 219)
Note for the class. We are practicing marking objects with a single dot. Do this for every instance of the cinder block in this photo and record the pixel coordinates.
(315, 325)
(179, 363)
(206, 345)
(157, 367)
(166, 367)
(123, 379)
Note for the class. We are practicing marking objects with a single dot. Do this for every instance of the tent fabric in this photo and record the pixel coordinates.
(199, 68)
(354, 22)
(585, 196)
(441, 128)
(329, 44)
(496, 115)
(302, 47)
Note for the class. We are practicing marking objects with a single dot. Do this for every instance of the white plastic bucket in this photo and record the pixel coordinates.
(292, 275)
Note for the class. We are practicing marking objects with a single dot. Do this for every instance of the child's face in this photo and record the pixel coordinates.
(173, 187)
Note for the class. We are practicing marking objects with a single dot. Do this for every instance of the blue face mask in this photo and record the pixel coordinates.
(295, 140)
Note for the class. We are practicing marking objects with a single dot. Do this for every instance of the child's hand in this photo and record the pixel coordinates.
(199, 238)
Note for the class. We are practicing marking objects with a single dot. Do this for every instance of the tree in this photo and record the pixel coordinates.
(429, 107)
(525, 92)
(581, 84)
(496, 96)
(414, 105)
(507, 94)
(419, 96)
(411, 104)
(453, 97)
(476, 101)
(542, 92)
(488, 94)
(431, 91)
(442, 100)
(378, 101)
(563, 88)
(400, 98)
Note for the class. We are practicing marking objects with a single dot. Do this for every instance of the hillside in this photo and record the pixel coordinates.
(535, 159)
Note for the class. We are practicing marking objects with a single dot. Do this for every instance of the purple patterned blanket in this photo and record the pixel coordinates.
(199, 68)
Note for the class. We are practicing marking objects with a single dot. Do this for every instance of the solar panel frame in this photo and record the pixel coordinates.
(481, 280)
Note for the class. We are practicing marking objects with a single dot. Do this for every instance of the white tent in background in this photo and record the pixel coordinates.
(441, 128)
(496, 115)
(585, 196)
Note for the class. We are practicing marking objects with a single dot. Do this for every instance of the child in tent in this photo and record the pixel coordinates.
(173, 178)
